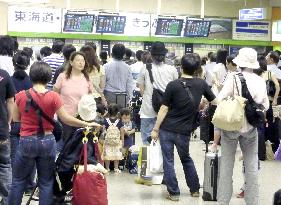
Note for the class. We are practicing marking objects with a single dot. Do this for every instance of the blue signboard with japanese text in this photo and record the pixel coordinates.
(252, 14)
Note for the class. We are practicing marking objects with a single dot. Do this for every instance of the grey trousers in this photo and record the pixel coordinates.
(249, 146)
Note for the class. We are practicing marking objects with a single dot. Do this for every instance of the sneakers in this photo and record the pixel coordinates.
(146, 182)
(195, 194)
(173, 197)
(240, 195)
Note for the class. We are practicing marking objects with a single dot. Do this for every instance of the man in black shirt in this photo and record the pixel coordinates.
(6, 106)
(175, 121)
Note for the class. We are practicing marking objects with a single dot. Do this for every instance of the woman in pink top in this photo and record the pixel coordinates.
(72, 85)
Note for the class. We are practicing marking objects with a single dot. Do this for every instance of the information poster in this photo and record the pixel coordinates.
(220, 28)
(78, 23)
(204, 49)
(276, 31)
(197, 28)
(32, 19)
(169, 27)
(110, 24)
(251, 30)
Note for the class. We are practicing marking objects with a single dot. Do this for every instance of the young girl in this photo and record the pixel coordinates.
(114, 138)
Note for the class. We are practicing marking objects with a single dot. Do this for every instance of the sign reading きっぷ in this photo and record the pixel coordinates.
(32, 19)
(137, 24)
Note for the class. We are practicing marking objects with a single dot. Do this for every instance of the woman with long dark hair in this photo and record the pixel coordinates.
(72, 84)
(96, 73)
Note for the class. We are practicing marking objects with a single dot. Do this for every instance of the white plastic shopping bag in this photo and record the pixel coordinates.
(156, 157)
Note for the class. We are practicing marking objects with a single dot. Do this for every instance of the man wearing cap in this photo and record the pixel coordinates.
(247, 136)
(162, 75)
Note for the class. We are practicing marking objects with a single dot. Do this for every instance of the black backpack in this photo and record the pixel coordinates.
(157, 95)
(254, 112)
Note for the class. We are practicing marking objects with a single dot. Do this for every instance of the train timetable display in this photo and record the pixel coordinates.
(78, 23)
(197, 28)
(169, 27)
(111, 24)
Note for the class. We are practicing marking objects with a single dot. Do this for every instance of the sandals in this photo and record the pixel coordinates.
(117, 171)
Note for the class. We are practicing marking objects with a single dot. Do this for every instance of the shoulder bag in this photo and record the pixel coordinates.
(230, 113)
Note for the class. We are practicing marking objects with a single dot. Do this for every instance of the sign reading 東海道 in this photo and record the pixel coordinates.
(32, 19)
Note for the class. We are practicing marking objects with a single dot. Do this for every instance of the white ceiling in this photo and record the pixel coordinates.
(11, 2)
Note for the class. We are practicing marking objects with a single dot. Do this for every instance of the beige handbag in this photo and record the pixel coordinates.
(230, 112)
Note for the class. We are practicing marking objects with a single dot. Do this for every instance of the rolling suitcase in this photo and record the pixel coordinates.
(211, 174)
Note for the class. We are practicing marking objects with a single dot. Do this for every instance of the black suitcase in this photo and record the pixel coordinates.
(211, 163)
(211, 176)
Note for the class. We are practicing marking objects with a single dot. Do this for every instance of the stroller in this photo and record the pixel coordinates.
(67, 161)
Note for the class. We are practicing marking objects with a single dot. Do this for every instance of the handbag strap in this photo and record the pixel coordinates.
(184, 84)
(39, 112)
(245, 90)
(149, 69)
(85, 152)
(236, 86)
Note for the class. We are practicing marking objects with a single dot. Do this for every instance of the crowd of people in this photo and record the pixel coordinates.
(122, 89)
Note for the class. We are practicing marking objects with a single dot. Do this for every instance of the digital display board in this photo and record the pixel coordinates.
(111, 24)
(197, 28)
(169, 27)
(78, 23)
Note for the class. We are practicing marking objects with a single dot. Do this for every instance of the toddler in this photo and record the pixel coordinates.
(114, 138)
(129, 129)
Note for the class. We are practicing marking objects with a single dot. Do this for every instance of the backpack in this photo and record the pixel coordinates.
(157, 95)
(254, 112)
(270, 86)
(112, 136)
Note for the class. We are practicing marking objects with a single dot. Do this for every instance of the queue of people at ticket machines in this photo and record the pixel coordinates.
(84, 89)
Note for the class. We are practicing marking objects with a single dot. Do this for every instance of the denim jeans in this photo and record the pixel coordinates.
(5, 172)
(14, 139)
(249, 146)
(42, 152)
(167, 141)
(147, 125)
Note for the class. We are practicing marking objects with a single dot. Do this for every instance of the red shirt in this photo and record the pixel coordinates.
(49, 102)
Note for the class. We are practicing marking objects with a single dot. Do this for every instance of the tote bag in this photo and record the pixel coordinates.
(230, 112)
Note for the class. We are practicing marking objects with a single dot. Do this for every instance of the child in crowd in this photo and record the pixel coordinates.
(129, 129)
(114, 138)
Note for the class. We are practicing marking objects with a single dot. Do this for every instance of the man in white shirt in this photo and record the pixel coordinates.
(272, 59)
(209, 68)
(247, 136)
(55, 60)
(136, 68)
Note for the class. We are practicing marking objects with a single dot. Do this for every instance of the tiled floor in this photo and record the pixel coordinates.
(123, 191)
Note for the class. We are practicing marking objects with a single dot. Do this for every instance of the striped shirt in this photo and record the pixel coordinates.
(55, 60)
(118, 78)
